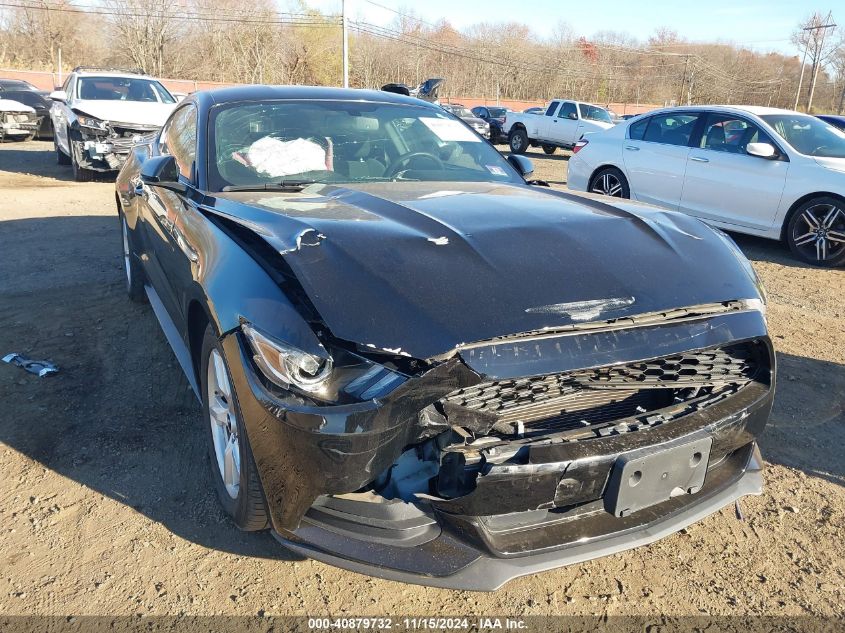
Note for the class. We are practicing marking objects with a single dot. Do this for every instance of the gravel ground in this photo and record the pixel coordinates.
(105, 503)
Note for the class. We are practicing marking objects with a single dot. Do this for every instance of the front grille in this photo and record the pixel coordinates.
(587, 397)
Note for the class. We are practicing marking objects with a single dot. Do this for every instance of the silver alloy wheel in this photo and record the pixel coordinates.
(608, 184)
(224, 423)
(824, 232)
(126, 262)
(516, 142)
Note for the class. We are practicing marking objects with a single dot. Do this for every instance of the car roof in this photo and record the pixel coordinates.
(109, 73)
(747, 109)
(260, 93)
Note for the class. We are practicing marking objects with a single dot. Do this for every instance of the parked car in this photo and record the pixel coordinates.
(99, 114)
(837, 121)
(18, 121)
(562, 125)
(16, 84)
(773, 173)
(415, 364)
(479, 125)
(37, 100)
(495, 118)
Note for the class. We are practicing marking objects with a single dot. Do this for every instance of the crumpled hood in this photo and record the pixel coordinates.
(420, 268)
(138, 112)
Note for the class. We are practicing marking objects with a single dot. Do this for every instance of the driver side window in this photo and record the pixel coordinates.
(567, 109)
(179, 139)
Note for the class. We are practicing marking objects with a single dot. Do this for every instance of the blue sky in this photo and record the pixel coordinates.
(762, 25)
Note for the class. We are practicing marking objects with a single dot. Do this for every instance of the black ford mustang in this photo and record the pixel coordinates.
(414, 363)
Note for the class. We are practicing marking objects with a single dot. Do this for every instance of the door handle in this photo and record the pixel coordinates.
(699, 159)
(633, 148)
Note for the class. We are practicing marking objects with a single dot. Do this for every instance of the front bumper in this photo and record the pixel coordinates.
(547, 511)
(448, 562)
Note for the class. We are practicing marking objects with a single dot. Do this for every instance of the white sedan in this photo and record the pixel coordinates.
(768, 172)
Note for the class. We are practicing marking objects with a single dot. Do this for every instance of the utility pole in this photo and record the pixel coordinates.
(345, 45)
(800, 79)
(817, 61)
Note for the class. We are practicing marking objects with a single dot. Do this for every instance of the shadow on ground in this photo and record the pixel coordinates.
(121, 419)
(38, 158)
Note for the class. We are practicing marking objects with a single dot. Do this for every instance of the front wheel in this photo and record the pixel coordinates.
(518, 141)
(610, 182)
(815, 232)
(134, 276)
(549, 149)
(232, 466)
(80, 174)
(61, 157)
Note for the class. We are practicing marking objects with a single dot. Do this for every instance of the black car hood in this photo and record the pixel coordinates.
(421, 268)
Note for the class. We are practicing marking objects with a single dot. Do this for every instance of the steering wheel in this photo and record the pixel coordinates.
(396, 166)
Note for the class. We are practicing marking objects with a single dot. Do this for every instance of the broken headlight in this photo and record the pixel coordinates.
(285, 365)
(92, 123)
(340, 376)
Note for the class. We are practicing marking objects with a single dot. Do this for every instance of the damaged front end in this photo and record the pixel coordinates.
(510, 456)
(101, 145)
(17, 121)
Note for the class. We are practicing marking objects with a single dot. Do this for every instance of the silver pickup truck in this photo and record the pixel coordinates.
(561, 125)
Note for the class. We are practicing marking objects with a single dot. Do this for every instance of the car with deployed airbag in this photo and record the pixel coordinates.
(416, 362)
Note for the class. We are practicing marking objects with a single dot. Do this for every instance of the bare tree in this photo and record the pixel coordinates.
(812, 37)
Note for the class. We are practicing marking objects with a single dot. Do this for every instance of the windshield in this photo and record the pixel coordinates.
(808, 135)
(497, 113)
(594, 113)
(462, 112)
(255, 144)
(123, 89)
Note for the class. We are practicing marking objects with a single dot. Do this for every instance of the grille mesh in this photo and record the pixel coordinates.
(607, 393)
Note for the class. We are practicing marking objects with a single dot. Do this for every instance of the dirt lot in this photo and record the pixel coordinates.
(105, 503)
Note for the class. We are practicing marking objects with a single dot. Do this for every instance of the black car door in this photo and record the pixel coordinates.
(169, 258)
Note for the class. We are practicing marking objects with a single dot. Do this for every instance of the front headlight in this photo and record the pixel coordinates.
(285, 365)
(91, 122)
(337, 377)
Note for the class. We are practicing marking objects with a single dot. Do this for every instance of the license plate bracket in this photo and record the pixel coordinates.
(652, 475)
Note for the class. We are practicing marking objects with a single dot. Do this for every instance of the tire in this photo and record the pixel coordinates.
(518, 141)
(80, 174)
(609, 181)
(815, 232)
(133, 272)
(243, 502)
(549, 149)
(61, 157)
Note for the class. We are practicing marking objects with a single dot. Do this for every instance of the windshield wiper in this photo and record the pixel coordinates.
(284, 185)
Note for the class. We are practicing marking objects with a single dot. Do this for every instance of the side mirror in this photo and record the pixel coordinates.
(162, 171)
(572, 115)
(763, 150)
(58, 95)
(522, 164)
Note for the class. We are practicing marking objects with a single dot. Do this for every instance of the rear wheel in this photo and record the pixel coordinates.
(610, 182)
(232, 465)
(549, 149)
(815, 232)
(518, 141)
(80, 174)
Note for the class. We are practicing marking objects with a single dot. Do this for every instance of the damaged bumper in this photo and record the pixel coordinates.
(107, 148)
(18, 125)
(522, 454)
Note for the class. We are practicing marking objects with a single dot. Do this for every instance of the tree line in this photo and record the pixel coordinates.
(252, 41)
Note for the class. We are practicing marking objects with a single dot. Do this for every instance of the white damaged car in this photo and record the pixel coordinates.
(99, 114)
(18, 121)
